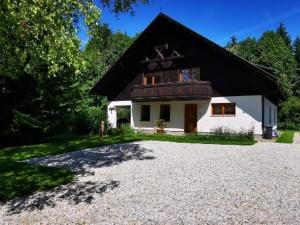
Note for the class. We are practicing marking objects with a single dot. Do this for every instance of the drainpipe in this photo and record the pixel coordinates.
(263, 114)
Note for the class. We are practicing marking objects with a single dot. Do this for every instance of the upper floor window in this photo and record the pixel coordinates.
(223, 109)
(152, 78)
(190, 74)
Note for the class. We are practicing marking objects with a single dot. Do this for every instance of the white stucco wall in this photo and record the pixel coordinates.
(176, 115)
(270, 113)
(248, 114)
(112, 112)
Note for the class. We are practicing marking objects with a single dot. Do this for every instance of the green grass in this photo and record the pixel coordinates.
(61, 146)
(19, 179)
(203, 139)
(286, 136)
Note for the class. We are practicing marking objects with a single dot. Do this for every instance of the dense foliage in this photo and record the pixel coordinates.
(275, 50)
(45, 76)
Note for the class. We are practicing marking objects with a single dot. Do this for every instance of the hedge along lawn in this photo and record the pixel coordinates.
(286, 136)
(19, 179)
(201, 139)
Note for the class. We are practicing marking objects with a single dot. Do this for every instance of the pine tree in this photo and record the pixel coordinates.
(232, 45)
(248, 50)
(232, 42)
(282, 32)
(297, 57)
(275, 54)
(297, 50)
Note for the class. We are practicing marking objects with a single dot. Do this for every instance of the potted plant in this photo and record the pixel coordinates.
(161, 125)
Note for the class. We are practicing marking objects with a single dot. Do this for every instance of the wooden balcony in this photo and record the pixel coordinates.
(193, 90)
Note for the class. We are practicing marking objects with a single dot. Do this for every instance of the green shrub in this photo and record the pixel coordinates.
(124, 130)
(228, 133)
(87, 121)
(200, 138)
(289, 115)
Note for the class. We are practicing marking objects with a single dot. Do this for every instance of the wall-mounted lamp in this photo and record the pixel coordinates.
(111, 109)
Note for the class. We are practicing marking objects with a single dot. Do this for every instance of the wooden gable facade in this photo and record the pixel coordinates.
(151, 69)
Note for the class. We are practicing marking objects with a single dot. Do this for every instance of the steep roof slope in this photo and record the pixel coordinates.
(122, 70)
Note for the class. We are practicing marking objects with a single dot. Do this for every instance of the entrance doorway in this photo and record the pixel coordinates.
(190, 118)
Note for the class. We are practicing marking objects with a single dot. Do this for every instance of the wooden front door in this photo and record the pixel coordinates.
(190, 118)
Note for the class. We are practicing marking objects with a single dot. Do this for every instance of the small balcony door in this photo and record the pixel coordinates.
(190, 118)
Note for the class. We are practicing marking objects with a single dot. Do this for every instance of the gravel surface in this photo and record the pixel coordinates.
(169, 183)
(297, 138)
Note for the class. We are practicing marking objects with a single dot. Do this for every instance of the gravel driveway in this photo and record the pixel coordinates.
(169, 183)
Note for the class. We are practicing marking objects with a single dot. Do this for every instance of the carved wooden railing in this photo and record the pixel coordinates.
(172, 91)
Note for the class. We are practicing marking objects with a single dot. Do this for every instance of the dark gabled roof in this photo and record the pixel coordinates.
(102, 85)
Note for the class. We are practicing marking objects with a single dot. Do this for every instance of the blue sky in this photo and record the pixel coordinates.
(218, 20)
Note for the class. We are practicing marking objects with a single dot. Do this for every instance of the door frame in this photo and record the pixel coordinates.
(195, 116)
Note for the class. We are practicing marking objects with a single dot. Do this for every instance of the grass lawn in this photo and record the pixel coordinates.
(203, 139)
(286, 136)
(61, 146)
(18, 179)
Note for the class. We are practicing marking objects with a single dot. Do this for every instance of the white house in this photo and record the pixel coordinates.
(172, 73)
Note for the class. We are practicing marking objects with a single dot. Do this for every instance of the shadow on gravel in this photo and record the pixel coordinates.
(82, 161)
(73, 193)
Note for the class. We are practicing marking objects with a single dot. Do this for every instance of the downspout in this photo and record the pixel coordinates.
(262, 114)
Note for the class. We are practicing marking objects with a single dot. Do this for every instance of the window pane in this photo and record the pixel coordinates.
(223, 108)
(186, 75)
(148, 80)
(165, 112)
(145, 113)
(216, 109)
(195, 73)
(169, 76)
(229, 108)
(156, 79)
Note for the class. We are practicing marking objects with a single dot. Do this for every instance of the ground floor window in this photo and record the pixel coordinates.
(145, 113)
(223, 109)
(165, 112)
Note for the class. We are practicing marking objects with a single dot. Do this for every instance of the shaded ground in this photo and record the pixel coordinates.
(179, 184)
